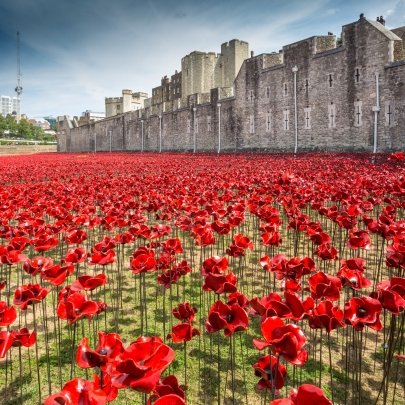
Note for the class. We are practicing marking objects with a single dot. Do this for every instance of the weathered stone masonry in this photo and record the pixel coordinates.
(336, 96)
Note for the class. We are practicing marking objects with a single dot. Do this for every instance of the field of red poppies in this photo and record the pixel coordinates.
(174, 279)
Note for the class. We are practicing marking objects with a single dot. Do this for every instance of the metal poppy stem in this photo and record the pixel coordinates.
(219, 370)
(330, 368)
(72, 365)
(185, 365)
(232, 349)
(37, 356)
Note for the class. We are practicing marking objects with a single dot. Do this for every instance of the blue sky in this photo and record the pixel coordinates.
(76, 52)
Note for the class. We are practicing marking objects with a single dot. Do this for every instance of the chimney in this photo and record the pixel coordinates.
(330, 33)
(362, 17)
(252, 54)
(381, 20)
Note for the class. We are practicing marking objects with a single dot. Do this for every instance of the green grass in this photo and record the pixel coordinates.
(202, 352)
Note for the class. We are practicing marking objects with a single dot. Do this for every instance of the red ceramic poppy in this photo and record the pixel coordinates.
(143, 261)
(215, 265)
(78, 391)
(326, 252)
(169, 386)
(164, 261)
(238, 298)
(104, 384)
(88, 283)
(203, 235)
(284, 340)
(309, 394)
(324, 285)
(159, 230)
(76, 255)
(183, 332)
(363, 311)
(37, 264)
(271, 239)
(359, 239)
(105, 245)
(219, 283)
(18, 243)
(271, 374)
(390, 294)
(396, 254)
(270, 305)
(7, 315)
(6, 341)
(184, 312)
(172, 246)
(57, 274)
(300, 309)
(169, 277)
(230, 318)
(3, 285)
(76, 237)
(238, 245)
(170, 399)
(351, 273)
(102, 258)
(326, 315)
(124, 238)
(221, 228)
(23, 337)
(44, 243)
(142, 364)
(77, 306)
(397, 156)
(109, 349)
(29, 294)
(10, 256)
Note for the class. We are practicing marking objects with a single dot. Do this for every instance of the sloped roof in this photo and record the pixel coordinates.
(400, 32)
(384, 30)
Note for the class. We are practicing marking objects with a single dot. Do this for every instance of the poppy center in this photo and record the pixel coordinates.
(77, 311)
(270, 374)
(361, 312)
(103, 352)
(229, 318)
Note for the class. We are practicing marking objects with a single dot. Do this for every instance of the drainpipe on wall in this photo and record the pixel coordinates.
(195, 129)
(142, 135)
(95, 143)
(376, 109)
(110, 141)
(295, 70)
(219, 127)
(160, 133)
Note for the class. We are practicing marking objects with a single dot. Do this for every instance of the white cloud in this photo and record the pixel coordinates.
(331, 11)
(396, 16)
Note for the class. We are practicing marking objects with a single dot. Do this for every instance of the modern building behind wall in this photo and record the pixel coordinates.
(10, 106)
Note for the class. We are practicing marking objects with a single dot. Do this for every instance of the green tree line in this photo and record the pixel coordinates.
(9, 128)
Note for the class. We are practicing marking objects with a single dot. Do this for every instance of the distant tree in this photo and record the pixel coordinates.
(3, 125)
(11, 124)
(24, 129)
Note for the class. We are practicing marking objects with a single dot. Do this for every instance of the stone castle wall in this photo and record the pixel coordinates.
(336, 95)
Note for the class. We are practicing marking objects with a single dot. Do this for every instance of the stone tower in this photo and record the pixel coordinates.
(233, 54)
(126, 100)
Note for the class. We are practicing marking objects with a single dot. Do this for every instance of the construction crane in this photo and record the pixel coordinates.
(18, 89)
